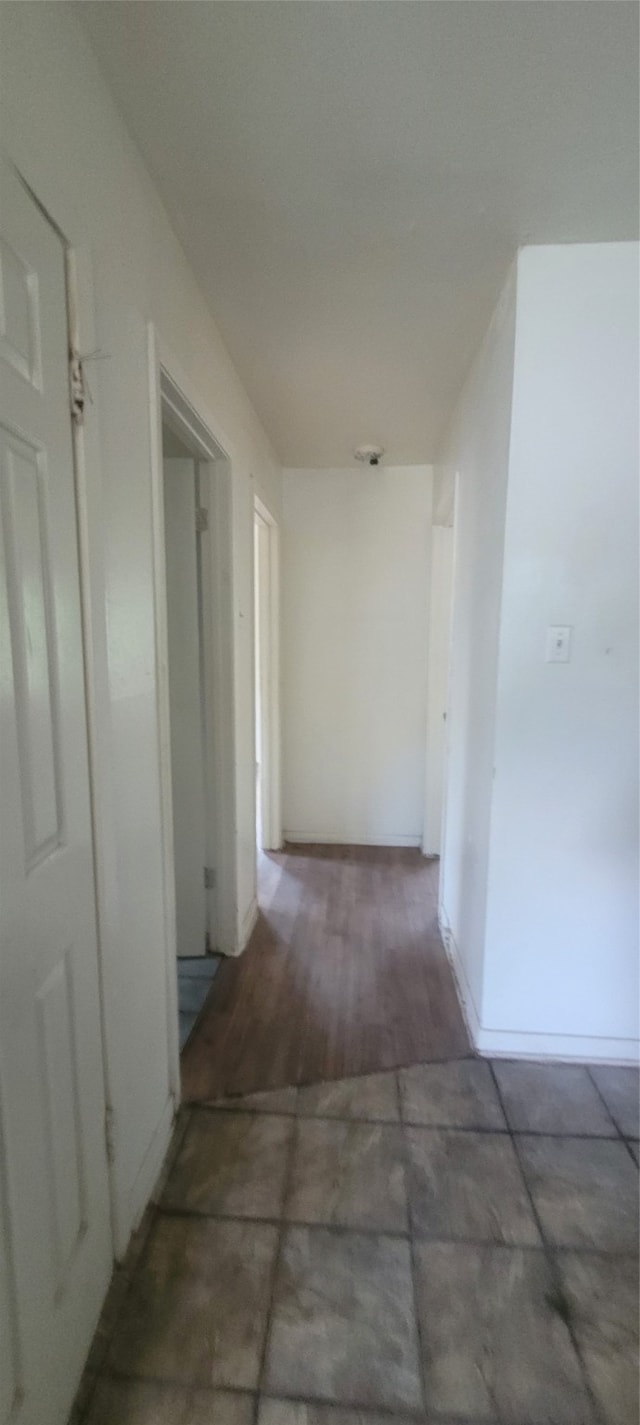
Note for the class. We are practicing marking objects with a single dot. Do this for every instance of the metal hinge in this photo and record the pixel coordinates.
(202, 520)
(77, 392)
(209, 878)
(79, 388)
(110, 1134)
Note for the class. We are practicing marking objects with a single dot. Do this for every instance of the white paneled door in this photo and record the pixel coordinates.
(55, 1246)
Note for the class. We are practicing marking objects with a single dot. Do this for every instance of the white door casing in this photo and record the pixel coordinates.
(440, 612)
(261, 651)
(55, 1240)
(186, 711)
(174, 399)
(266, 663)
(205, 482)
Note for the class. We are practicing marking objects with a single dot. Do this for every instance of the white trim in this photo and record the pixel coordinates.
(247, 925)
(162, 709)
(271, 735)
(455, 562)
(323, 838)
(86, 458)
(167, 394)
(463, 988)
(149, 1170)
(205, 473)
(438, 656)
(221, 703)
(513, 1044)
(496, 1043)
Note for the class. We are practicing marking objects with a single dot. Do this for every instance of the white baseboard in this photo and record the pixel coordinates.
(148, 1173)
(247, 925)
(242, 934)
(513, 1044)
(323, 838)
(463, 988)
(510, 1044)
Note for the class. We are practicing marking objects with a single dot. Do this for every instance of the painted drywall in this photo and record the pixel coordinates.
(438, 652)
(561, 954)
(355, 625)
(539, 883)
(62, 129)
(444, 488)
(477, 451)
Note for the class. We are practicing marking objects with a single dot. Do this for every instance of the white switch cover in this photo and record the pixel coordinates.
(559, 643)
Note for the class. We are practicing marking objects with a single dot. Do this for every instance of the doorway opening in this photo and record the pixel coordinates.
(266, 680)
(179, 432)
(185, 479)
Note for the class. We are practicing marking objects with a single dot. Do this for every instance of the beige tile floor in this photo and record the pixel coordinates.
(449, 1243)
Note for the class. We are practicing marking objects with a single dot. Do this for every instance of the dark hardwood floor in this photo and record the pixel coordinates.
(345, 973)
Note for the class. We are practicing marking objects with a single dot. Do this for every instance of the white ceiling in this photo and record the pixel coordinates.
(350, 182)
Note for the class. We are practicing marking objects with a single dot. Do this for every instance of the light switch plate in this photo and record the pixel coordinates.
(559, 643)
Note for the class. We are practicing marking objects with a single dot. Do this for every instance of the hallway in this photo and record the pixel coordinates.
(319, 479)
(458, 1239)
(345, 973)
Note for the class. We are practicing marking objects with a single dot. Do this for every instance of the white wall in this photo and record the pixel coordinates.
(355, 620)
(540, 878)
(561, 960)
(61, 128)
(477, 448)
(438, 652)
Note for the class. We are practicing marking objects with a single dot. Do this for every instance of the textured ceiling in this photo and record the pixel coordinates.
(351, 180)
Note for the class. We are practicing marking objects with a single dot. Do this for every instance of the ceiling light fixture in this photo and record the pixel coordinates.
(369, 454)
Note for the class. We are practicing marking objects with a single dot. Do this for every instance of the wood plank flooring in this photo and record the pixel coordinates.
(345, 973)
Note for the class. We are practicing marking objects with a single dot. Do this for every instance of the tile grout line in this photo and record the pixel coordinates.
(368, 1411)
(133, 1377)
(275, 1271)
(103, 1368)
(610, 1113)
(221, 1102)
(371, 1412)
(152, 1211)
(408, 1122)
(172, 1155)
(406, 1165)
(550, 1256)
(318, 1223)
(345, 1230)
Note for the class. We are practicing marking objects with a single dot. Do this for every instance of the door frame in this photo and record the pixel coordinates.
(171, 396)
(455, 561)
(267, 600)
(439, 653)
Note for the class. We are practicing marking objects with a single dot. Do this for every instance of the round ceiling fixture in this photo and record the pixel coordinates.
(369, 454)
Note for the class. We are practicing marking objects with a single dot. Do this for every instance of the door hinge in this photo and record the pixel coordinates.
(202, 520)
(77, 392)
(110, 1134)
(209, 878)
